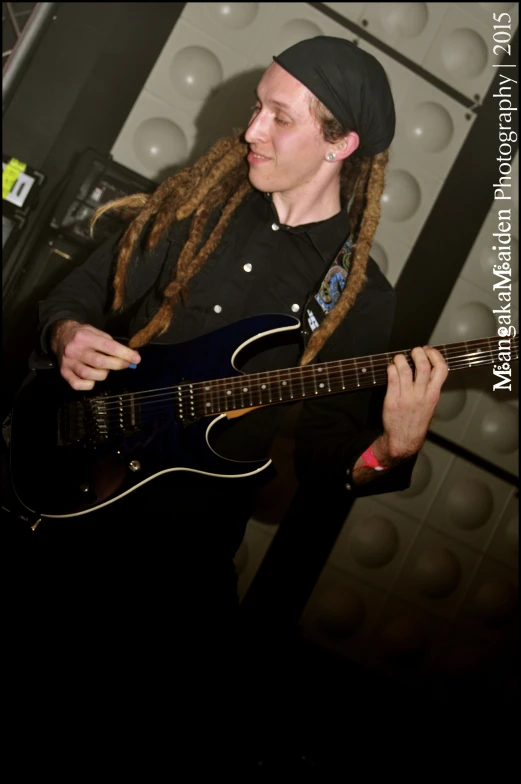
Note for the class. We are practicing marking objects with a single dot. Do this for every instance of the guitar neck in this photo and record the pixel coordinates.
(327, 378)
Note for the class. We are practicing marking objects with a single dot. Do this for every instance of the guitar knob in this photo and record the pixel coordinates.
(88, 496)
(134, 465)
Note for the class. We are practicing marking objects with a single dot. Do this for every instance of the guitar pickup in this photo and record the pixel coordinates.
(71, 423)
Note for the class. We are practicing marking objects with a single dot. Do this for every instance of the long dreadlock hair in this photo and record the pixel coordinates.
(220, 179)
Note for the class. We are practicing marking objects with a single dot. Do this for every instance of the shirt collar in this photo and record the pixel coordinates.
(327, 236)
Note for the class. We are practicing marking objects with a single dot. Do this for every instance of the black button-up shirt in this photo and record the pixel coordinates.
(261, 266)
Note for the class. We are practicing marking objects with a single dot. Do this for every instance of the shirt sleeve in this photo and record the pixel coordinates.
(84, 295)
(333, 431)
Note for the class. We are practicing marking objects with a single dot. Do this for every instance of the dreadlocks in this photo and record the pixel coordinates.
(220, 179)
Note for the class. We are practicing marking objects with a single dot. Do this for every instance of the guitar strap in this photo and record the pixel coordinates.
(327, 293)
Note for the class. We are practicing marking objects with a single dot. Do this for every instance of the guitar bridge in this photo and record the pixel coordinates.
(71, 426)
(98, 420)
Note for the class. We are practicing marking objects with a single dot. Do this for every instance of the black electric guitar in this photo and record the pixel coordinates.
(71, 453)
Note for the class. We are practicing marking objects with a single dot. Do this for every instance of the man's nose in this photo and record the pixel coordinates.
(256, 130)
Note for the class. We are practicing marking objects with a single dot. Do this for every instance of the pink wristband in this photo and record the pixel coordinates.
(371, 461)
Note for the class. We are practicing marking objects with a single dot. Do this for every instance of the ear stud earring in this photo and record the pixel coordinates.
(331, 156)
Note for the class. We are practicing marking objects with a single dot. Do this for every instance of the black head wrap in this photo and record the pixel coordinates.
(350, 82)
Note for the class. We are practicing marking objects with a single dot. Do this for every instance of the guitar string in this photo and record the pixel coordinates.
(113, 421)
(158, 404)
(355, 363)
(456, 362)
(219, 405)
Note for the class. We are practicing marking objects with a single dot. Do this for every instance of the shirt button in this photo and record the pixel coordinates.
(295, 308)
(247, 268)
(275, 226)
(348, 487)
(217, 308)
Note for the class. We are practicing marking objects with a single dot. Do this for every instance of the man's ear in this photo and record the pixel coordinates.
(347, 145)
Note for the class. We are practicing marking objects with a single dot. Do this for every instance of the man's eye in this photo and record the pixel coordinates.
(280, 121)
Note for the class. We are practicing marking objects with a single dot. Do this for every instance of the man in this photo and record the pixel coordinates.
(258, 225)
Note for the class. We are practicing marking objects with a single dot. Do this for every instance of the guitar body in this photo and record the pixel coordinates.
(71, 453)
(60, 468)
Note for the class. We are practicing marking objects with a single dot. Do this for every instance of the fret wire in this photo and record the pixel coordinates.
(290, 385)
(327, 375)
(457, 363)
(286, 387)
(462, 364)
(321, 383)
(356, 371)
(262, 387)
(450, 352)
(158, 402)
(342, 375)
(372, 369)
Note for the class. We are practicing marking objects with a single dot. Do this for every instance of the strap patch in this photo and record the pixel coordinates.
(331, 288)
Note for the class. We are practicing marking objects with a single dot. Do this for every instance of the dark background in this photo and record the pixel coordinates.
(73, 97)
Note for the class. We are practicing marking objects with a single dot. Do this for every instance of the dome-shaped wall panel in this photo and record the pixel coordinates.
(390, 252)
(467, 315)
(459, 664)
(471, 413)
(490, 608)
(351, 11)
(459, 399)
(374, 542)
(191, 66)
(404, 641)
(400, 78)
(484, 12)
(496, 244)
(483, 420)
(410, 28)
(493, 432)
(432, 466)
(469, 505)
(408, 197)
(238, 26)
(154, 141)
(436, 573)
(295, 22)
(462, 53)
(341, 612)
(504, 545)
(431, 126)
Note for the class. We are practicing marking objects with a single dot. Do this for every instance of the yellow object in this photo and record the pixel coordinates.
(10, 175)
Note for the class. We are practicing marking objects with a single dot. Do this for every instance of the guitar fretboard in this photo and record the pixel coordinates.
(301, 383)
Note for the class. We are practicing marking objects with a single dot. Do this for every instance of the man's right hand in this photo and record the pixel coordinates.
(86, 354)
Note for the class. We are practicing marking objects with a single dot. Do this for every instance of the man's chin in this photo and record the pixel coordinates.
(259, 182)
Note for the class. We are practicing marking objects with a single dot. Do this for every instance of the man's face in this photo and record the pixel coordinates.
(287, 149)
